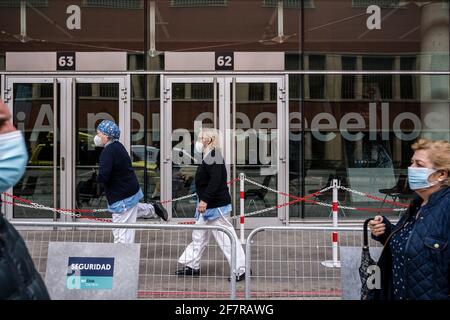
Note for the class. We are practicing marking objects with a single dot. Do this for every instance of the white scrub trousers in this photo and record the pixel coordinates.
(200, 238)
(130, 216)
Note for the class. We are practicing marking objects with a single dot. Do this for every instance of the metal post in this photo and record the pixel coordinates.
(335, 263)
(242, 204)
(23, 21)
(56, 161)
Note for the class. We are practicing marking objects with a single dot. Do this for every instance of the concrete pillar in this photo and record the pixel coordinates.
(358, 152)
(306, 79)
(36, 91)
(396, 80)
(188, 91)
(434, 90)
(95, 89)
(242, 92)
(333, 148)
(267, 92)
(397, 156)
(153, 63)
(359, 79)
(333, 83)
(138, 91)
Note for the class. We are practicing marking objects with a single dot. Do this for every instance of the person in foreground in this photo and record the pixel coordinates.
(19, 279)
(415, 259)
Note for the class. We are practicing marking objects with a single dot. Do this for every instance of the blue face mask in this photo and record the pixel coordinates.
(13, 159)
(418, 178)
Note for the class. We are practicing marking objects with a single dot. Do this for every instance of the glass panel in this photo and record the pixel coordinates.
(145, 135)
(388, 30)
(295, 144)
(256, 144)
(66, 25)
(190, 112)
(95, 102)
(365, 142)
(33, 115)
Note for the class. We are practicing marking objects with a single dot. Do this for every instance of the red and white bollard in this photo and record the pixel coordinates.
(242, 206)
(335, 263)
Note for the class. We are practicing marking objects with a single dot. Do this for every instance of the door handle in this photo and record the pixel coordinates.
(63, 163)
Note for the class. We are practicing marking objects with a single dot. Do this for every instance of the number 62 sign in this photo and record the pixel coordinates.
(65, 61)
(224, 61)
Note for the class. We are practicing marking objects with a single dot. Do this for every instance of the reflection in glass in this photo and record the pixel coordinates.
(256, 143)
(192, 109)
(95, 102)
(33, 115)
(145, 134)
(366, 142)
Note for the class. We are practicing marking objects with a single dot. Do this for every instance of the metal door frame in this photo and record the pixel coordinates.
(225, 101)
(166, 125)
(66, 116)
(282, 216)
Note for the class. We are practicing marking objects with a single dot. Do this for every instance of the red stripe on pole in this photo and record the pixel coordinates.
(335, 206)
(335, 237)
(242, 219)
(242, 194)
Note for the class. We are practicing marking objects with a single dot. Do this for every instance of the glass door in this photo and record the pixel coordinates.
(188, 105)
(258, 145)
(58, 117)
(35, 105)
(251, 111)
(94, 100)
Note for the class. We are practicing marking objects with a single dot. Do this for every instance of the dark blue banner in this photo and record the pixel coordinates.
(91, 266)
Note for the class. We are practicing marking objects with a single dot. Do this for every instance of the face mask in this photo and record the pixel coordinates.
(98, 141)
(13, 159)
(199, 147)
(418, 178)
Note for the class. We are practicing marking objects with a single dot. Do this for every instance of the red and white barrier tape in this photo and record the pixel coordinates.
(77, 212)
(299, 199)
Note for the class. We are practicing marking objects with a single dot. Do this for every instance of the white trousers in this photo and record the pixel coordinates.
(200, 238)
(130, 216)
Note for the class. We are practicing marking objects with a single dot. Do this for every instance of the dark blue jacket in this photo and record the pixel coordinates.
(116, 173)
(427, 252)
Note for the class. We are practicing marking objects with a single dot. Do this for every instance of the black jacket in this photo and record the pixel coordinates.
(19, 279)
(116, 173)
(427, 251)
(211, 181)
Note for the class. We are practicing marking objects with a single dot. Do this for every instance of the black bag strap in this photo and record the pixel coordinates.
(366, 238)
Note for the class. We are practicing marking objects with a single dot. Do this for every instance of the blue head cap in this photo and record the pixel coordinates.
(109, 128)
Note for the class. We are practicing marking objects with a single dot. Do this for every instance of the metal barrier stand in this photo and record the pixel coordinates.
(251, 236)
(83, 225)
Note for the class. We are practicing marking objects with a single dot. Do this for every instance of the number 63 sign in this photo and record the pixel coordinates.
(65, 61)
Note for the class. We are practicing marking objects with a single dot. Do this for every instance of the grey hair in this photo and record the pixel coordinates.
(213, 134)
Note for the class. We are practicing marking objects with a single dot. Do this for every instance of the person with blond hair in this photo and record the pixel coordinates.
(213, 208)
(415, 261)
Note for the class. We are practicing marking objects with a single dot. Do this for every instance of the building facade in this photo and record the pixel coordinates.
(302, 92)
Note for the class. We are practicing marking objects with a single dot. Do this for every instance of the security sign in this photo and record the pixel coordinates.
(90, 273)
